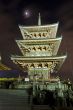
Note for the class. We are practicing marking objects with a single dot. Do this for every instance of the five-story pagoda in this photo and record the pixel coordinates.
(39, 48)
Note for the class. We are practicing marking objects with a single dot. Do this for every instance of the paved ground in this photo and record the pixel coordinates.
(18, 100)
(14, 100)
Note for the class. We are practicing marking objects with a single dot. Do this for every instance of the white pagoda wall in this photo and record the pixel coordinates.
(39, 73)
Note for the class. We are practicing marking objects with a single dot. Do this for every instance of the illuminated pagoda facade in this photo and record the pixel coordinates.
(39, 48)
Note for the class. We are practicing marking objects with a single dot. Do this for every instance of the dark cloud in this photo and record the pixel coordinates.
(65, 15)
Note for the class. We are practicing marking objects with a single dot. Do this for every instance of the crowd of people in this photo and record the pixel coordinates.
(54, 98)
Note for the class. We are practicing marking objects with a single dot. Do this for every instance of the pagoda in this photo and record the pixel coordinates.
(39, 48)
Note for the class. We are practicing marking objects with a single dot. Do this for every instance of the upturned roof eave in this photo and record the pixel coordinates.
(41, 26)
(39, 58)
(40, 40)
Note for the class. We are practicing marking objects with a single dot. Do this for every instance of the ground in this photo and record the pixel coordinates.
(18, 100)
(13, 100)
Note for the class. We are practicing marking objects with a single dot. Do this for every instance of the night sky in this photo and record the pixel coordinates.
(12, 13)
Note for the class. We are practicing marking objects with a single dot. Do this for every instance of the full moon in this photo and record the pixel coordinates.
(27, 13)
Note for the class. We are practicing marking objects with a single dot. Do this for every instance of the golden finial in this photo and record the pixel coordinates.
(39, 20)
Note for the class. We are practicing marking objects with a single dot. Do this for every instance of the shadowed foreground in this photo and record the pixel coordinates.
(18, 100)
(14, 100)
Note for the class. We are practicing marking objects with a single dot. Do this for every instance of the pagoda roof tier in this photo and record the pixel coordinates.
(50, 46)
(41, 31)
(45, 58)
(54, 62)
(39, 41)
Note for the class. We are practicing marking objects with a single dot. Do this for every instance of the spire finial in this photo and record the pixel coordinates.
(39, 20)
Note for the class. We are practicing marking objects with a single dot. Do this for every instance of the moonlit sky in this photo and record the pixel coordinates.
(25, 12)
